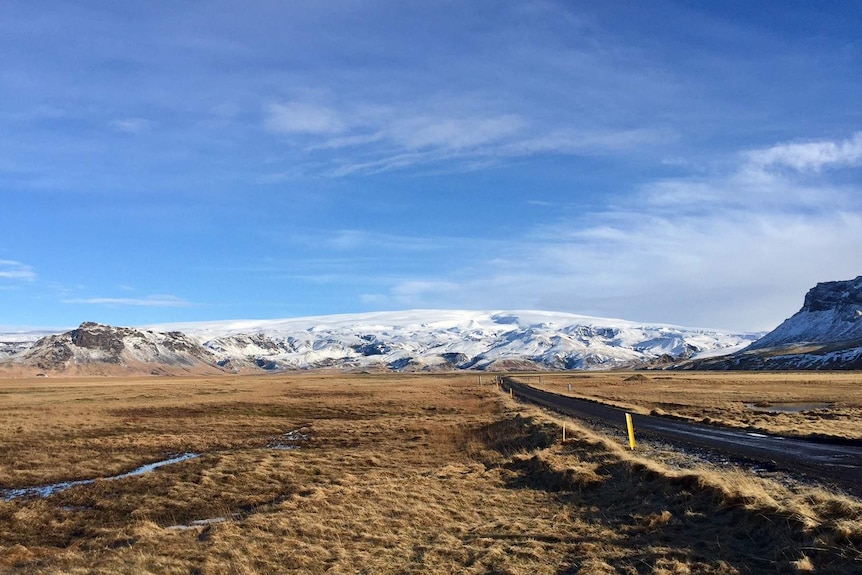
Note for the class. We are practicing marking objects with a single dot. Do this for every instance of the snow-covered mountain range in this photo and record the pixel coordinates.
(825, 334)
(418, 340)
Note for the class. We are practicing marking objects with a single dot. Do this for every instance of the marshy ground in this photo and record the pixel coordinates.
(383, 474)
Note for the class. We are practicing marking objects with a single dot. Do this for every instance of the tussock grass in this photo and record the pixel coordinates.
(399, 474)
(761, 523)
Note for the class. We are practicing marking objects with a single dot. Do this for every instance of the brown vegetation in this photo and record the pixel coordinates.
(394, 474)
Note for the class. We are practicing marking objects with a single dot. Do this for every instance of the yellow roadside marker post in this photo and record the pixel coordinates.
(631, 430)
(564, 433)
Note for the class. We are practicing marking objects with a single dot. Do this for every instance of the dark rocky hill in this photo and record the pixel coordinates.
(94, 349)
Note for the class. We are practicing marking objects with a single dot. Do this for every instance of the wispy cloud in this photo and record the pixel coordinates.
(13, 270)
(455, 133)
(481, 143)
(150, 301)
(131, 125)
(587, 142)
(352, 240)
(302, 118)
(366, 138)
(415, 293)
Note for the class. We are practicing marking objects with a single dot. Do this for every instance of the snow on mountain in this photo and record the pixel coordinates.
(449, 339)
(418, 340)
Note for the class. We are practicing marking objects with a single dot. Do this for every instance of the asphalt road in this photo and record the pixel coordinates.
(839, 464)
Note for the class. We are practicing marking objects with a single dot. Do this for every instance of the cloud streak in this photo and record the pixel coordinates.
(14, 270)
(367, 138)
(150, 301)
(297, 117)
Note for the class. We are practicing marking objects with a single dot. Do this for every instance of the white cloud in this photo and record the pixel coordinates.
(302, 118)
(150, 301)
(811, 156)
(10, 269)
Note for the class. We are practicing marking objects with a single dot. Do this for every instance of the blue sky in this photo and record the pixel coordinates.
(676, 162)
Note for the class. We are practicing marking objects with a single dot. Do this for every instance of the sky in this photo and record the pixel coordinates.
(693, 163)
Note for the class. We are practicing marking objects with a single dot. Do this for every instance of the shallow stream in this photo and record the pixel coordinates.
(48, 490)
(287, 441)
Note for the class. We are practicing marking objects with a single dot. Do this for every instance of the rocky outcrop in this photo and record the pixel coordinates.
(102, 350)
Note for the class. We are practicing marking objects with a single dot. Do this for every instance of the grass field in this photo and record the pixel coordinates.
(376, 474)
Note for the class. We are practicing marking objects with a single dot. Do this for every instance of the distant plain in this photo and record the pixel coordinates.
(393, 473)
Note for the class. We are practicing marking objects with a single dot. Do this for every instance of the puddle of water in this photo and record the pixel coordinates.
(767, 407)
(287, 441)
(48, 490)
(197, 523)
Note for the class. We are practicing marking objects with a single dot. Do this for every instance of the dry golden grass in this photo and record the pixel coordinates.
(725, 397)
(399, 474)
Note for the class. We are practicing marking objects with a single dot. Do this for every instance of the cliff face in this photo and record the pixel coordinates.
(834, 295)
(831, 314)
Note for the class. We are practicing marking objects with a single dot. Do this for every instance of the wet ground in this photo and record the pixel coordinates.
(787, 407)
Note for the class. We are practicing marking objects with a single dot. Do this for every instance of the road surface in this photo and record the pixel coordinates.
(837, 463)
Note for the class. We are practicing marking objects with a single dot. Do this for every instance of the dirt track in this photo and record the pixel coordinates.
(839, 464)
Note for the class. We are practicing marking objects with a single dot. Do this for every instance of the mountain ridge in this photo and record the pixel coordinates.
(412, 340)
